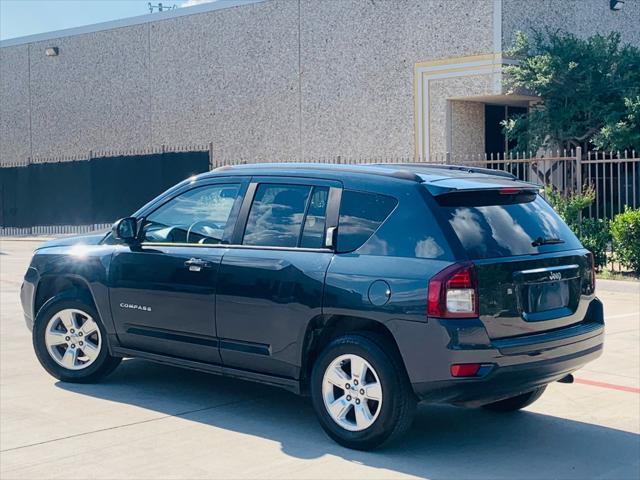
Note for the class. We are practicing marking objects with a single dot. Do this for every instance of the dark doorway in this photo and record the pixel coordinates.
(494, 140)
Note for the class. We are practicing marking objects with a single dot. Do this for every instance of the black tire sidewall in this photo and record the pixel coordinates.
(392, 392)
(93, 371)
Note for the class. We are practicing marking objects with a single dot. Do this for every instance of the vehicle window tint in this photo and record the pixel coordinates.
(527, 226)
(361, 214)
(276, 215)
(197, 216)
(314, 223)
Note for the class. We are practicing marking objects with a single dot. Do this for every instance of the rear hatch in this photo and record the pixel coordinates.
(533, 275)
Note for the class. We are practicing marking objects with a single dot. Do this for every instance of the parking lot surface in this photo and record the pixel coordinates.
(153, 421)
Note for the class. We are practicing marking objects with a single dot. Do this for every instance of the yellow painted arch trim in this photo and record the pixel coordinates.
(457, 65)
(453, 60)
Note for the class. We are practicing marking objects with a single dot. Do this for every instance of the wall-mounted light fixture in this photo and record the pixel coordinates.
(51, 51)
(616, 5)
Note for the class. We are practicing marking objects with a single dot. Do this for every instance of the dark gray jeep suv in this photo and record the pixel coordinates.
(367, 287)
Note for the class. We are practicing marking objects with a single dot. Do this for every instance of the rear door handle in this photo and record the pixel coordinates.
(197, 264)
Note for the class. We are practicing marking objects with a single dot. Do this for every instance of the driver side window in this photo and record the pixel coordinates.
(197, 216)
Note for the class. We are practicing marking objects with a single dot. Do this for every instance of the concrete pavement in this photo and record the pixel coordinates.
(153, 421)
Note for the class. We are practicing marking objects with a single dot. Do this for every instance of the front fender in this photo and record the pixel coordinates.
(81, 266)
(28, 295)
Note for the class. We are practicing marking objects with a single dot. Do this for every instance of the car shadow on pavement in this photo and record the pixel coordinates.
(444, 442)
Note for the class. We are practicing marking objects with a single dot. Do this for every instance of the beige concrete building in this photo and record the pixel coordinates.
(282, 79)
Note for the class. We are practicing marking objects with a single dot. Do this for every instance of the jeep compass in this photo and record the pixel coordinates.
(368, 288)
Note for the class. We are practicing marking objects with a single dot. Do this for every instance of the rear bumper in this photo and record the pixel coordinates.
(506, 381)
(511, 366)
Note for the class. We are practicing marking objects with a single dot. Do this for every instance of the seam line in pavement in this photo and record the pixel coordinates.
(622, 315)
(180, 414)
(604, 372)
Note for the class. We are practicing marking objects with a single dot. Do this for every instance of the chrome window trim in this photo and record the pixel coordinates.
(244, 247)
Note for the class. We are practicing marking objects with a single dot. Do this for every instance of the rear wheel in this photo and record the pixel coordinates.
(361, 393)
(516, 403)
(70, 341)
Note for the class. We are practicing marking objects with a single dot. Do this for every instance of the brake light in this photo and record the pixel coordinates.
(453, 292)
(509, 190)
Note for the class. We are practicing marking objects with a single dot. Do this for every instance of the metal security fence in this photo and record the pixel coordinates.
(113, 184)
(614, 176)
(616, 179)
(70, 195)
(46, 230)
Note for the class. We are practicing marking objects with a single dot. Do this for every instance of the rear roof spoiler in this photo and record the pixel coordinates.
(438, 190)
(480, 184)
(460, 168)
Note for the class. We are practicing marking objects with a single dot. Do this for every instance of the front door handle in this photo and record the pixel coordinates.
(197, 264)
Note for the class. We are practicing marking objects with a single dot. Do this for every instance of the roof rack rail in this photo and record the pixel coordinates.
(461, 168)
(400, 173)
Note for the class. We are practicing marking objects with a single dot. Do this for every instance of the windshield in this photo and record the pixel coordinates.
(491, 225)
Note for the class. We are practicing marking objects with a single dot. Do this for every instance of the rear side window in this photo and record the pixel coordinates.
(361, 213)
(276, 215)
(287, 216)
(315, 219)
(491, 225)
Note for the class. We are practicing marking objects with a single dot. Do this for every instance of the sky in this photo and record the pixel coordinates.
(26, 17)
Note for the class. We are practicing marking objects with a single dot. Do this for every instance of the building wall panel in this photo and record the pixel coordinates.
(93, 95)
(15, 141)
(467, 128)
(229, 77)
(580, 17)
(357, 68)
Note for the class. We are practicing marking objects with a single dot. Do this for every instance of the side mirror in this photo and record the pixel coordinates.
(125, 229)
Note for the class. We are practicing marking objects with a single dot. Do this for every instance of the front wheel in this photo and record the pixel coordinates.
(361, 393)
(70, 341)
(516, 403)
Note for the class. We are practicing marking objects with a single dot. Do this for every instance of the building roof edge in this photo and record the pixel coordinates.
(127, 22)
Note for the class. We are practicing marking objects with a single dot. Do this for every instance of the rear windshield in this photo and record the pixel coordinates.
(491, 224)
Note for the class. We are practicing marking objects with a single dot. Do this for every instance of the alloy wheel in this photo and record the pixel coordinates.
(352, 392)
(73, 339)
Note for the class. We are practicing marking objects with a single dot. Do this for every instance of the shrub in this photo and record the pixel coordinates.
(625, 230)
(594, 234)
(569, 206)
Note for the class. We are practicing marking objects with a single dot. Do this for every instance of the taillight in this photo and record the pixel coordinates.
(593, 272)
(453, 292)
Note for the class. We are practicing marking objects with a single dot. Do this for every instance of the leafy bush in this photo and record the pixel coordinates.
(625, 230)
(570, 205)
(594, 234)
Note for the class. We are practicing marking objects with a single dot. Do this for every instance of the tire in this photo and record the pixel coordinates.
(85, 363)
(381, 421)
(516, 403)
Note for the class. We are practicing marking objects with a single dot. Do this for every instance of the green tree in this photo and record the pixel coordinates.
(618, 134)
(589, 92)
